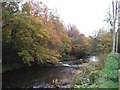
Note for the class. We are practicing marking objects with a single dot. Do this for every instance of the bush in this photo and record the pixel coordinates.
(88, 77)
(93, 77)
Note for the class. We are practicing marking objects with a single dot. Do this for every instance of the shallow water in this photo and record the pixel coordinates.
(35, 77)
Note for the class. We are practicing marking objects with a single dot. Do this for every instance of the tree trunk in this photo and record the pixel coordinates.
(117, 42)
(113, 49)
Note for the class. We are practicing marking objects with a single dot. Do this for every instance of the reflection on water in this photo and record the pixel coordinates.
(35, 77)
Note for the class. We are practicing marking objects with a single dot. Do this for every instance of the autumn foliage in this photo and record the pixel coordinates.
(38, 36)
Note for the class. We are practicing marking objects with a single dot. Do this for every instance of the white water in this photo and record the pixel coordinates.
(66, 65)
(93, 58)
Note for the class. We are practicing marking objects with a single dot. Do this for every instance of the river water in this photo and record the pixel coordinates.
(35, 77)
(41, 76)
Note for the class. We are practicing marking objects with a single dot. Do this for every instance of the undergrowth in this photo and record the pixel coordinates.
(93, 76)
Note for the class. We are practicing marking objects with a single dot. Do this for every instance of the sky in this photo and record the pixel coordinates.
(87, 15)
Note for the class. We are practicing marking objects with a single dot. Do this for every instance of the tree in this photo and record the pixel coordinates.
(104, 42)
(9, 11)
(111, 19)
(81, 45)
(30, 40)
(114, 24)
(42, 39)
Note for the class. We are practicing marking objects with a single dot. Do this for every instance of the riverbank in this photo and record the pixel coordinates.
(16, 66)
(97, 75)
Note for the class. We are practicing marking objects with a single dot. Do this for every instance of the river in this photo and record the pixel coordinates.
(42, 76)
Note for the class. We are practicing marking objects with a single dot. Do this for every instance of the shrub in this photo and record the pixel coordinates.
(93, 77)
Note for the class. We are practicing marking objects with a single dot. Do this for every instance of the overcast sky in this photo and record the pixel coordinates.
(87, 15)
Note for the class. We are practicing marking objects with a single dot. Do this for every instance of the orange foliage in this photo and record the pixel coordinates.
(58, 40)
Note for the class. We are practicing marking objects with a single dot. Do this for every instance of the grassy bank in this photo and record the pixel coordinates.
(101, 74)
